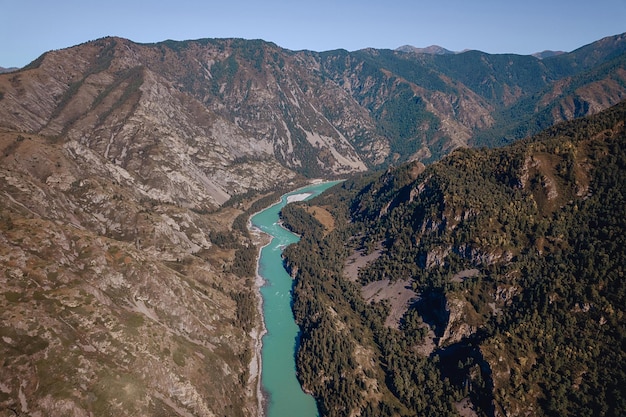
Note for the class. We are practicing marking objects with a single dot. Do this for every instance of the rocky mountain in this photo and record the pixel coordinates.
(318, 114)
(427, 105)
(116, 298)
(576, 95)
(128, 172)
(547, 54)
(489, 283)
(432, 49)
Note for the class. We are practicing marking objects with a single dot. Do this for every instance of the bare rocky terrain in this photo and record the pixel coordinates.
(113, 302)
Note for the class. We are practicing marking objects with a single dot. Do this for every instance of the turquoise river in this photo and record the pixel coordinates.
(285, 397)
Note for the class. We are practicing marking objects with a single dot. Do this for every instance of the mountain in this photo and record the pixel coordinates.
(427, 105)
(128, 172)
(116, 296)
(489, 283)
(575, 95)
(2, 69)
(432, 49)
(128, 102)
(318, 114)
(547, 54)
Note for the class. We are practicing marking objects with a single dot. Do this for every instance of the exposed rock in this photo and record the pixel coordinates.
(110, 299)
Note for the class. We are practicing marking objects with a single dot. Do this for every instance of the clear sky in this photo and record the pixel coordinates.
(29, 28)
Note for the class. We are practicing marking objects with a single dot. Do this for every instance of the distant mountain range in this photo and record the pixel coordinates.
(547, 54)
(433, 49)
(438, 50)
(327, 113)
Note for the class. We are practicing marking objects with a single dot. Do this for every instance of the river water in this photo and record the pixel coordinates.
(285, 397)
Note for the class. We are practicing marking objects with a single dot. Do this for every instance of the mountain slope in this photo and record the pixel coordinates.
(329, 113)
(113, 90)
(506, 267)
(116, 299)
(576, 96)
(427, 105)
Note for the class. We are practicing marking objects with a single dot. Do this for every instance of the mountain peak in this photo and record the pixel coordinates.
(547, 54)
(432, 49)
(2, 69)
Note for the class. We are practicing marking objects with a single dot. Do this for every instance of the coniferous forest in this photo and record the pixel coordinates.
(516, 259)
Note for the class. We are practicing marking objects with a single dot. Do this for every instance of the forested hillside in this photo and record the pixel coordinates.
(429, 104)
(513, 259)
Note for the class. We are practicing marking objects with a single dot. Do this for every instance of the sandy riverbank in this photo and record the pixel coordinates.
(298, 197)
(260, 239)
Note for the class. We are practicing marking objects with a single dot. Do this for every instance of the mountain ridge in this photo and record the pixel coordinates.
(11, 69)
(458, 107)
(432, 49)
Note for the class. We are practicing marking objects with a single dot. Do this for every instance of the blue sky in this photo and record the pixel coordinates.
(29, 28)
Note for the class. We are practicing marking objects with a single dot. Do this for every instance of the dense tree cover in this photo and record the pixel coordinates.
(404, 119)
(521, 87)
(239, 239)
(573, 302)
(540, 223)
